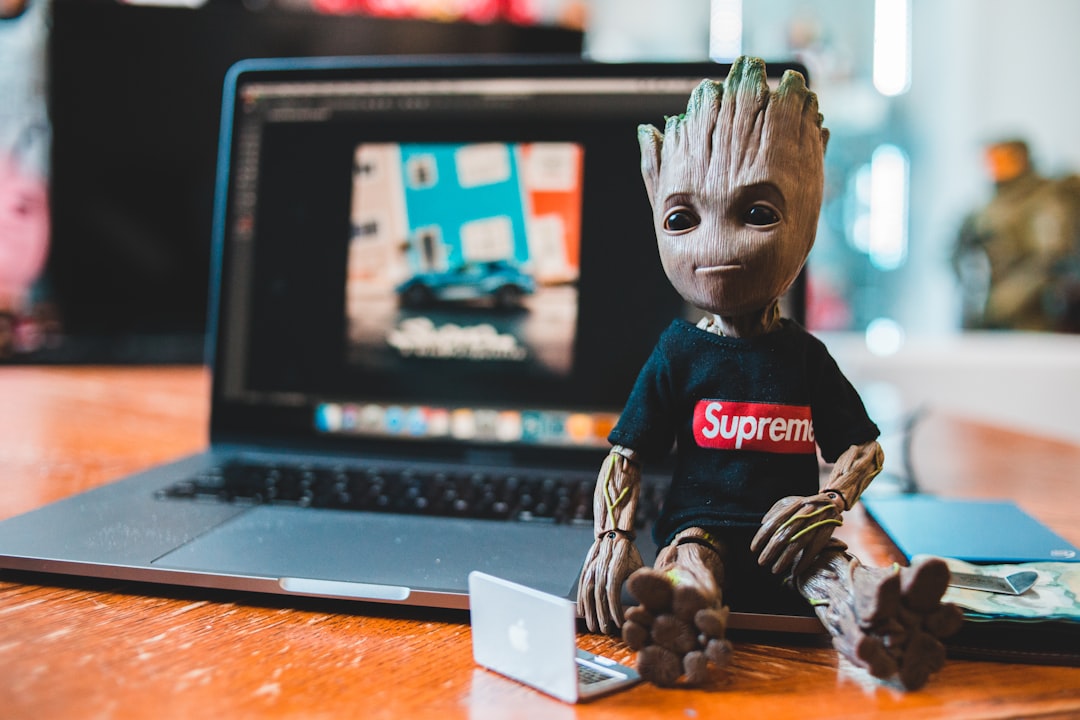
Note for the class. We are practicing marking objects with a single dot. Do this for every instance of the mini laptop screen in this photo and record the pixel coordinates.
(438, 253)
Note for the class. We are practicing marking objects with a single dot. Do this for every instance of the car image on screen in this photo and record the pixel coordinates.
(496, 282)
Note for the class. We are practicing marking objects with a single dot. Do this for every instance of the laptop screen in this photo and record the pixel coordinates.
(438, 253)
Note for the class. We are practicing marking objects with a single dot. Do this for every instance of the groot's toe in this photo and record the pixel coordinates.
(945, 621)
(639, 615)
(687, 600)
(877, 598)
(923, 584)
(924, 655)
(634, 635)
(871, 653)
(652, 589)
(696, 668)
(659, 666)
(719, 652)
(672, 633)
(712, 622)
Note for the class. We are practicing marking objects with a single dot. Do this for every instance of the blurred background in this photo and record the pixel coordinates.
(951, 225)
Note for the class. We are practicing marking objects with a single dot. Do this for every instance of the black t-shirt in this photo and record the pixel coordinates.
(745, 415)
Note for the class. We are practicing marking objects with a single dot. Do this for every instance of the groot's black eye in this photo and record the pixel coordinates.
(681, 220)
(760, 215)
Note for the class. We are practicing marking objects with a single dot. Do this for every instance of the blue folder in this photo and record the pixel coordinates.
(976, 531)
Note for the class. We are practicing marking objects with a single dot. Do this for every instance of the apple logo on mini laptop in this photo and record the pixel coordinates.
(519, 636)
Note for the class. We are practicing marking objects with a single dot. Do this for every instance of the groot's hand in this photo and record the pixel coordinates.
(611, 559)
(613, 556)
(795, 530)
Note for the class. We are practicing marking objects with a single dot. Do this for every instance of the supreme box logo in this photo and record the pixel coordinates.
(764, 427)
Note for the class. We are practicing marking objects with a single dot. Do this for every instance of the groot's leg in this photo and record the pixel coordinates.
(679, 626)
(887, 620)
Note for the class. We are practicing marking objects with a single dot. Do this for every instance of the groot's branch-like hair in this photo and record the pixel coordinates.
(744, 116)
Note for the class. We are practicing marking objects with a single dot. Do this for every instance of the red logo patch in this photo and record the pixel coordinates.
(764, 427)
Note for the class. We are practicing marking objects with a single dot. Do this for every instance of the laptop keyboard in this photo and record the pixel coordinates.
(556, 498)
(588, 676)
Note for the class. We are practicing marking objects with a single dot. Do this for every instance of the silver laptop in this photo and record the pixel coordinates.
(531, 637)
(434, 283)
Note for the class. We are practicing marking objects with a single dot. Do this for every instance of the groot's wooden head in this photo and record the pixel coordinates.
(735, 185)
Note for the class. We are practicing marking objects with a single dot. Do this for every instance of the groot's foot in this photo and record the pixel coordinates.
(678, 628)
(900, 621)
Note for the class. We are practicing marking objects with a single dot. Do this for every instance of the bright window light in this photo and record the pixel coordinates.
(888, 207)
(169, 3)
(892, 46)
(725, 29)
(884, 336)
(860, 222)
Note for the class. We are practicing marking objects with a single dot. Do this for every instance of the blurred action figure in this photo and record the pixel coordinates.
(747, 398)
(24, 242)
(24, 143)
(1018, 258)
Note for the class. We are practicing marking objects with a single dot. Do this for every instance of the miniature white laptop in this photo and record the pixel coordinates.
(530, 636)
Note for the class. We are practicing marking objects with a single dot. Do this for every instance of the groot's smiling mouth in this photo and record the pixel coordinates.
(718, 269)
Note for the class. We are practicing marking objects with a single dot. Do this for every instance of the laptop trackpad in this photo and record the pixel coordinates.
(421, 553)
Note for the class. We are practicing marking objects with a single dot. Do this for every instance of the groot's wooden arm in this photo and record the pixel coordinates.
(797, 528)
(853, 471)
(613, 556)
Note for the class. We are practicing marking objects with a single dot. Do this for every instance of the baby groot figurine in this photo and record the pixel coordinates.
(748, 398)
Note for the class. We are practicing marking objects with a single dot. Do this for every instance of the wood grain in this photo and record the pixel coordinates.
(100, 649)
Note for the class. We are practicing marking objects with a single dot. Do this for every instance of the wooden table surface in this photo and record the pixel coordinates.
(73, 648)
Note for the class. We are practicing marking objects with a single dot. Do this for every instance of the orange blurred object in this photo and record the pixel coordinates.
(1007, 161)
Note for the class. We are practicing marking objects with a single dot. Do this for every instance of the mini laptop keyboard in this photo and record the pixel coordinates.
(589, 676)
(557, 497)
